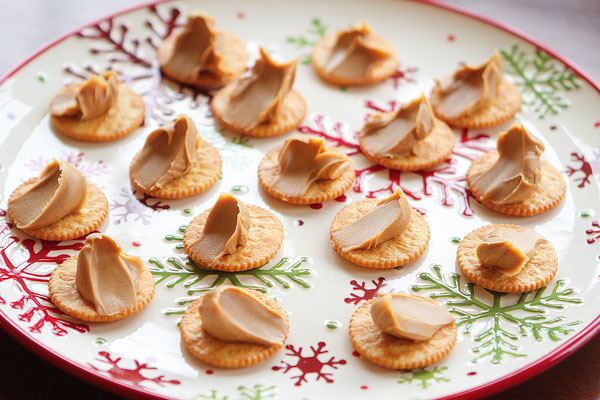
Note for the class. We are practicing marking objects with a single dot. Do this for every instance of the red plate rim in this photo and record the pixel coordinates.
(528, 371)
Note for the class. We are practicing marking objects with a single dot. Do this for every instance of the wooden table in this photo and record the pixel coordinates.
(569, 26)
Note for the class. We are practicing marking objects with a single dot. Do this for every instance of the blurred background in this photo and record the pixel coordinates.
(571, 27)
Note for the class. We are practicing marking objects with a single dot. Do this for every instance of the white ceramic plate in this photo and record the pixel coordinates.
(503, 338)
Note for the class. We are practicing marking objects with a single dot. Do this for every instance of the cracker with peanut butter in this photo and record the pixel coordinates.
(200, 55)
(232, 236)
(100, 109)
(261, 102)
(514, 180)
(101, 283)
(60, 204)
(507, 258)
(476, 97)
(409, 139)
(380, 233)
(354, 57)
(402, 331)
(175, 162)
(305, 170)
(224, 336)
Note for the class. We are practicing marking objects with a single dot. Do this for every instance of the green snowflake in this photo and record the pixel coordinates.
(541, 78)
(258, 392)
(529, 315)
(425, 377)
(313, 34)
(231, 147)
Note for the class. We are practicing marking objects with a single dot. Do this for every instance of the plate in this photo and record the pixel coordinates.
(503, 339)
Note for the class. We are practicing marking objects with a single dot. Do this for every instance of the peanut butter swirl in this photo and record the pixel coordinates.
(89, 99)
(407, 317)
(355, 53)
(106, 277)
(387, 220)
(233, 314)
(59, 191)
(259, 94)
(303, 160)
(517, 171)
(508, 250)
(225, 229)
(169, 152)
(197, 49)
(396, 133)
(469, 89)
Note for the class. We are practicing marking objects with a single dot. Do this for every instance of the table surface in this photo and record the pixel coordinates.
(569, 26)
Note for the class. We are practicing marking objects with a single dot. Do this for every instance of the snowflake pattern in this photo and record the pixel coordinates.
(364, 293)
(403, 75)
(257, 392)
(594, 232)
(496, 340)
(306, 41)
(446, 176)
(308, 365)
(135, 207)
(541, 78)
(424, 377)
(29, 269)
(129, 375)
(585, 169)
(87, 168)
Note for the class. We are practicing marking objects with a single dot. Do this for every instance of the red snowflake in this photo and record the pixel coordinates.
(478, 143)
(403, 75)
(134, 375)
(309, 365)
(89, 169)
(585, 167)
(135, 207)
(594, 231)
(445, 176)
(121, 47)
(36, 309)
(365, 294)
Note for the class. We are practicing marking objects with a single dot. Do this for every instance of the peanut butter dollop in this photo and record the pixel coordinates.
(469, 89)
(517, 171)
(197, 49)
(508, 250)
(303, 160)
(258, 95)
(106, 277)
(169, 152)
(396, 133)
(387, 220)
(355, 53)
(89, 99)
(407, 317)
(232, 314)
(59, 191)
(225, 229)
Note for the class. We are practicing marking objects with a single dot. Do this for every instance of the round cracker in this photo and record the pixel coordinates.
(502, 108)
(232, 63)
(293, 111)
(74, 225)
(538, 271)
(64, 294)
(218, 353)
(380, 72)
(429, 152)
(203, 175)
(547, 194)
(318, 191)
(122, 118)
(396, 353)
(394, 252)
(265, 236)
